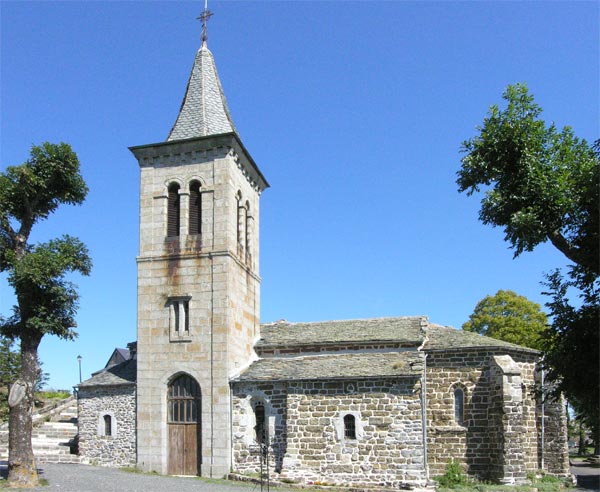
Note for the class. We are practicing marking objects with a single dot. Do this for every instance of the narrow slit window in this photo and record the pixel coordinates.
(179, 316)
(176, 316)
(459, 406)
(247, 219)
(349, 426)
(173, 210)
(195, 225)
(260, 427)
(107, 425)
(239, 222)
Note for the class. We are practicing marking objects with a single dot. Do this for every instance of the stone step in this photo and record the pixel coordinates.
(71, 458)
(51, 436)
(56, 426)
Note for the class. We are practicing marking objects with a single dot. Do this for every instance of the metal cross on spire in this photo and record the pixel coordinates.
(204, 16)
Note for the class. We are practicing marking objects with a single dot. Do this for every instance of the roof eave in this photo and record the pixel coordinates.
(325, 378)
(230, 139)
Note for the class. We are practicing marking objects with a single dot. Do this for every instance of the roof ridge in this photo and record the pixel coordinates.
(284, 321)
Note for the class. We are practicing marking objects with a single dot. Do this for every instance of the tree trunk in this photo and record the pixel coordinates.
(22, 471)
(581, 447)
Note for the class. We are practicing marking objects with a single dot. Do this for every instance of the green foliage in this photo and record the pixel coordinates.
(10, 362)
(453, 477)
(53, 395)
(541, 184)
(46, 300)
(510, 317)
(35, 189)
(571, 349)
(10, 368)
(28, 193)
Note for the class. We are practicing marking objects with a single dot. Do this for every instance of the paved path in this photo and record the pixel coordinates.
(588, 477)
(84, 478)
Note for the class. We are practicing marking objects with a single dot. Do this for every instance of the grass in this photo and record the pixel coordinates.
(455, 480)
(546, 483)
(42, 483)
(53, 395)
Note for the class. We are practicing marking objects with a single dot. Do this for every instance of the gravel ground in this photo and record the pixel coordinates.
(84, 478)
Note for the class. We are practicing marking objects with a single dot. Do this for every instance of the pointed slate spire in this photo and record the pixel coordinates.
(204, 109)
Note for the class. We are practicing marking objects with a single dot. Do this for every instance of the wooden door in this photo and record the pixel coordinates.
(184, 405)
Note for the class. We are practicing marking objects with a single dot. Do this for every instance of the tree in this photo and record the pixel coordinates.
(572, 345)
(510, 317)
(46, 300)
(542, 184)
(10, 368)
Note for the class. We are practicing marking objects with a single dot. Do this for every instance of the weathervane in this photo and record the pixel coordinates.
(204, 16)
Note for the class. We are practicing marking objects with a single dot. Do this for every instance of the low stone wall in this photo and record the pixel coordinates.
(118, 449)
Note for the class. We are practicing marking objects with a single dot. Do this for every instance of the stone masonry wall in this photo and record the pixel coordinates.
(388, 449)
(556, 451)
(219, 281)
(507, 408)
(474, 443)
(245, 450)
(119, 449)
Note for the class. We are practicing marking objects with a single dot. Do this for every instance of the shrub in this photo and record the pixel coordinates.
(453, 477)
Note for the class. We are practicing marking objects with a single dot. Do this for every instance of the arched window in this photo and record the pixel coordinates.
(260, 429)
(173, 209)
(459, 406)
(195, 226)
(107, 425)
(349, 426)
(184, 400)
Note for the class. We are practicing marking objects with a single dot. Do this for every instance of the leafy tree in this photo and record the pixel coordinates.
(46, 300)
(541, 184)
(572, 346)
(510, 317)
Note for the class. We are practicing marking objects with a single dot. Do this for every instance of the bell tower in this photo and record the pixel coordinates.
(198, 282)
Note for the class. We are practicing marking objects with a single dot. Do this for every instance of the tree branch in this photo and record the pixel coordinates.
(571, 252)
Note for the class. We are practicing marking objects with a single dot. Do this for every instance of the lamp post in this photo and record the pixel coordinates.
(79, 361)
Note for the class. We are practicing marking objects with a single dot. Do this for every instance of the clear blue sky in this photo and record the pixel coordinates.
(354, 111)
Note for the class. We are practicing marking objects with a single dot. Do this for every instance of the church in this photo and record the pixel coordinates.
(207, 390)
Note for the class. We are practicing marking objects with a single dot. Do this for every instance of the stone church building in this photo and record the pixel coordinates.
(384, 402)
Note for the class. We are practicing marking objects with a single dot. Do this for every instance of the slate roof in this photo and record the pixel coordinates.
(335, 366)
(117, 375)
(447, 338)
(404, 330)
(204, 109)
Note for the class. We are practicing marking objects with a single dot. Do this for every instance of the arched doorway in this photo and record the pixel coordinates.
(183, 422)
